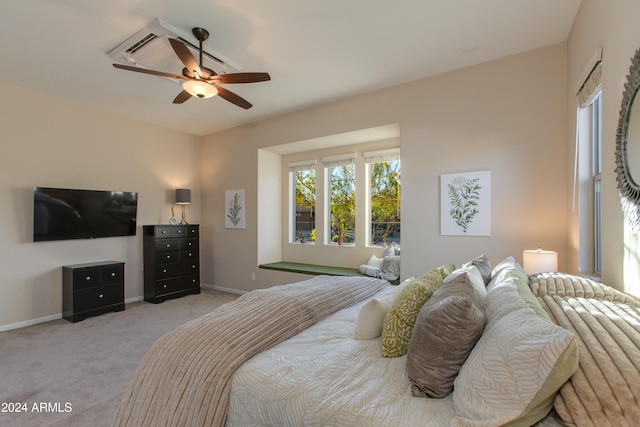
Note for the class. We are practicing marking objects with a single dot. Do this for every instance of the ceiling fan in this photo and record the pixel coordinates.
(200, 81)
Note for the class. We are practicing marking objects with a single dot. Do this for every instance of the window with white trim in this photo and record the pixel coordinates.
(589, 172)
(303, 180)
(341, 199)
(383, 196)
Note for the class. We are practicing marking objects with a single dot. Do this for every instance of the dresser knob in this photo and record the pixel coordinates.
(193, 266)
(100, 295)
(87, 278)
(164, 232)
(164, 286)
(168, 245)
(179, 231)
(164, 271)
(113, 274)
(168, 256)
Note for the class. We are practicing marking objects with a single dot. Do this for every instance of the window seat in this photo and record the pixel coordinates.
(314, 269)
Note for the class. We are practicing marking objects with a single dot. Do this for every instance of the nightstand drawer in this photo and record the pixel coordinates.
(99, 296)
(112, 274)
(86, 277)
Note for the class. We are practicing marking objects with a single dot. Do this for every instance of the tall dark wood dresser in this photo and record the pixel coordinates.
(171, 261)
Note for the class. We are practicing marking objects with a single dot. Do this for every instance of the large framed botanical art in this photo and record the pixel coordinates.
(465, 204)
(234, 209)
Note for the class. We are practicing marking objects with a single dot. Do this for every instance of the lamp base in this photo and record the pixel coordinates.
(184, 221)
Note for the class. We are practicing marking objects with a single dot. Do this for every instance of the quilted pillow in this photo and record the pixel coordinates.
(372, 313)
(448, 326)
(399, 321)
(515, 370)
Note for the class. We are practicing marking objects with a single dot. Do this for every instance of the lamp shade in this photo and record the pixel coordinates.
(183, 196)
(199, 88)
(539, 261)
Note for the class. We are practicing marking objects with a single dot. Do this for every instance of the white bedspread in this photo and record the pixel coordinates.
(323, 377)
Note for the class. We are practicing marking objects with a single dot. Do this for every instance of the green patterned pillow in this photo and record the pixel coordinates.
(400, 319)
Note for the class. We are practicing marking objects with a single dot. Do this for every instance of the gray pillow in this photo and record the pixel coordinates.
(484, 265)
(446, 330)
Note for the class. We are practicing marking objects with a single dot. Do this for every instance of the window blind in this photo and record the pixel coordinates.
(591, 87)
(389, 155)
(339, 160)
(302, 165)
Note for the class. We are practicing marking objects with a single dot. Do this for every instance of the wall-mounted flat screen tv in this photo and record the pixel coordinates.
(65, 214)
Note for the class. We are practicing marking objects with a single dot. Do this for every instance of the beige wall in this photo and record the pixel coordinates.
(613, 27)
(48, 141)
(508, 116)
(514, 116)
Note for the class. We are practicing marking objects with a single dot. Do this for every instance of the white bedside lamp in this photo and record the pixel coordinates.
(539, 261)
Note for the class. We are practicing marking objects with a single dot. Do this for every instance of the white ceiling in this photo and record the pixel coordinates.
(315, 51)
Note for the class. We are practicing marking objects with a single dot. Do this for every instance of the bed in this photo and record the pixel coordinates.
(310, 354)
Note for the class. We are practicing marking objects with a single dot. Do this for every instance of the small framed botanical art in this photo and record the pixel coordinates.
(234, 209)
(465, 204)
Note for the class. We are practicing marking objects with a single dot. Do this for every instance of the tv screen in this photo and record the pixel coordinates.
(65, 214)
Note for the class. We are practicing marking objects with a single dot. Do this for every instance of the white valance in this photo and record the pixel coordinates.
(339, 160)
(379, 156)
(591, 86)
(302, 165)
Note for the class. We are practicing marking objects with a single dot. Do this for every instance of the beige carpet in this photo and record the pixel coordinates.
(74, 374)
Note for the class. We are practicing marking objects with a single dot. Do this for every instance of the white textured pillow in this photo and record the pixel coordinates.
(516, 368)
(372, 313)
(375, 262)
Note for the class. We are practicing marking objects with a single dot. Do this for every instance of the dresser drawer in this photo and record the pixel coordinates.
(176, 284)
(191, 267)
(165, 271)
(168, 231)
(96, 297)
(193, 231)
(191, 243)
(167, 245)
(167, 257)
(189, 255)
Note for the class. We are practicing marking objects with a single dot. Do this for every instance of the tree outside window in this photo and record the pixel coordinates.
(385, 202)
(343, 203)
(305, 210)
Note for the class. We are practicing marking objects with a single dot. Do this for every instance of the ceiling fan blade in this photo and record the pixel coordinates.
(182, 97)
(240, 78)
(185, 56)
(233, 98)
(152, 72)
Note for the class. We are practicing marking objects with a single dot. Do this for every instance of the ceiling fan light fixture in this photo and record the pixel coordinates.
(200, 89)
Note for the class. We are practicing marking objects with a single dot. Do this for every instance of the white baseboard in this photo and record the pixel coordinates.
(134, 299)
(222, 289)
(30, 322)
